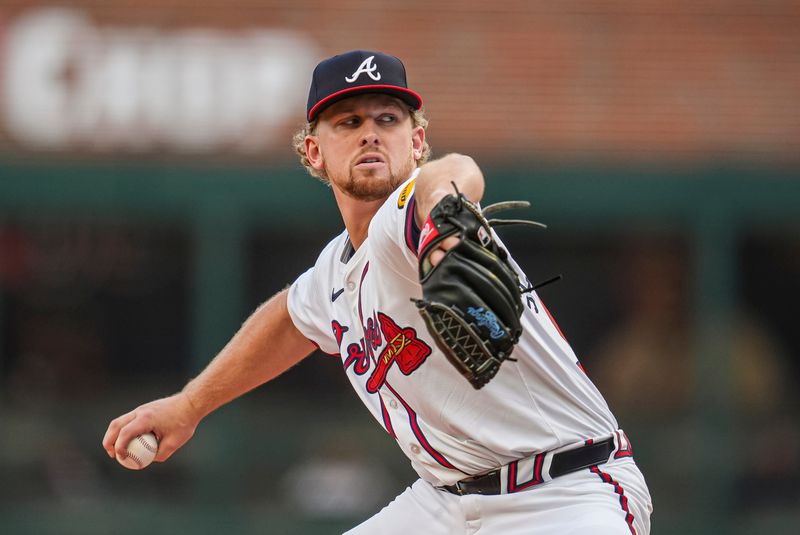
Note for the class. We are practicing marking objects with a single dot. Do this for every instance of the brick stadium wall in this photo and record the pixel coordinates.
(680, 81)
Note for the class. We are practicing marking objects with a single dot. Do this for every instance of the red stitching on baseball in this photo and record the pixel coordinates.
(146, 444)
(137, 460)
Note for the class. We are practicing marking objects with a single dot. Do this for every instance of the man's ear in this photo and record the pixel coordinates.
(313, 153)
(417, 141)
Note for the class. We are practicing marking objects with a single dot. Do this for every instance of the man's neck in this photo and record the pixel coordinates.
(356, 216)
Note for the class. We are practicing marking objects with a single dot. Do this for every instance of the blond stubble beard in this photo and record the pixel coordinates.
(365, 188)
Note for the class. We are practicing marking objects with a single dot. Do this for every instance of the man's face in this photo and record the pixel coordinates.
(367, 145)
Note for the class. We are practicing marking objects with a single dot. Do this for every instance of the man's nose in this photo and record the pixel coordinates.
(370, 138)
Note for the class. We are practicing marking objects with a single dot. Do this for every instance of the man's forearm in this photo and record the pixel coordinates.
(435, 181)
(266, 345)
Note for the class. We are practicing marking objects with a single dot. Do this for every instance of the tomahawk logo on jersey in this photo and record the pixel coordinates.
(402, 347)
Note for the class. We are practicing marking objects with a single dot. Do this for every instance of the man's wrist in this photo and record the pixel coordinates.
(196, 408)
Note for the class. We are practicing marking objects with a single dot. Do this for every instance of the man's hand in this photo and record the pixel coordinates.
(173, 420)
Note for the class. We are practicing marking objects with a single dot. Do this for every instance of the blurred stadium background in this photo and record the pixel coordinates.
(149, 200)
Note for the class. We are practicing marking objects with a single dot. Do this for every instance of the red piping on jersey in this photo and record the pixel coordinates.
(387, 421)
(411, 225)
(552, 320)
(326, 352)
(360, 283)
(623, 500)
(412, 420)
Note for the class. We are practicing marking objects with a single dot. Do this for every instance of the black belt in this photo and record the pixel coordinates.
(564, 462)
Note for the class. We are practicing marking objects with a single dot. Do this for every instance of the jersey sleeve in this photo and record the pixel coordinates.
(309, 309)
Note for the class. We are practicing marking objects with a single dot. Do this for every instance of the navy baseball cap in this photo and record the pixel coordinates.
(357, 72)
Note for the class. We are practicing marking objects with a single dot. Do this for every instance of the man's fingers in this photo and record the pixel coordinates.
(110, 438)
(437, 254)
(128, 433)
(449, 242)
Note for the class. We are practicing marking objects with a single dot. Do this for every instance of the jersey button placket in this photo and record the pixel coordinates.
(415, 449)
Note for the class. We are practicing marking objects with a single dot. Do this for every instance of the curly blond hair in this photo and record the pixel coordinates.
(298, 142)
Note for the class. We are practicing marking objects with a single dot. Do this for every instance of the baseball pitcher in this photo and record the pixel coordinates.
(438, 330)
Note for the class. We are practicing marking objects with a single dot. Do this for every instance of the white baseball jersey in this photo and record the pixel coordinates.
(356, 304)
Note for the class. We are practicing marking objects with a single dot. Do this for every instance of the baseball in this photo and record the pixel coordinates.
(141, 452)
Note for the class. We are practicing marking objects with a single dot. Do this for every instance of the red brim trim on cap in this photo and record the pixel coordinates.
(365, 89)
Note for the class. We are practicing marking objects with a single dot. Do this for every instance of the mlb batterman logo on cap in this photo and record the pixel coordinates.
(357, 72)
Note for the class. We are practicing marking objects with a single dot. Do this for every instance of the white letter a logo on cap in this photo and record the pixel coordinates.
(366, 67)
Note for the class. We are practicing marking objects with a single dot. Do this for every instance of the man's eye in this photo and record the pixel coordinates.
(352, 121)
(388, 118)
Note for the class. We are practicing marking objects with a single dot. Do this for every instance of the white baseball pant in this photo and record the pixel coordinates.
(612, 499)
